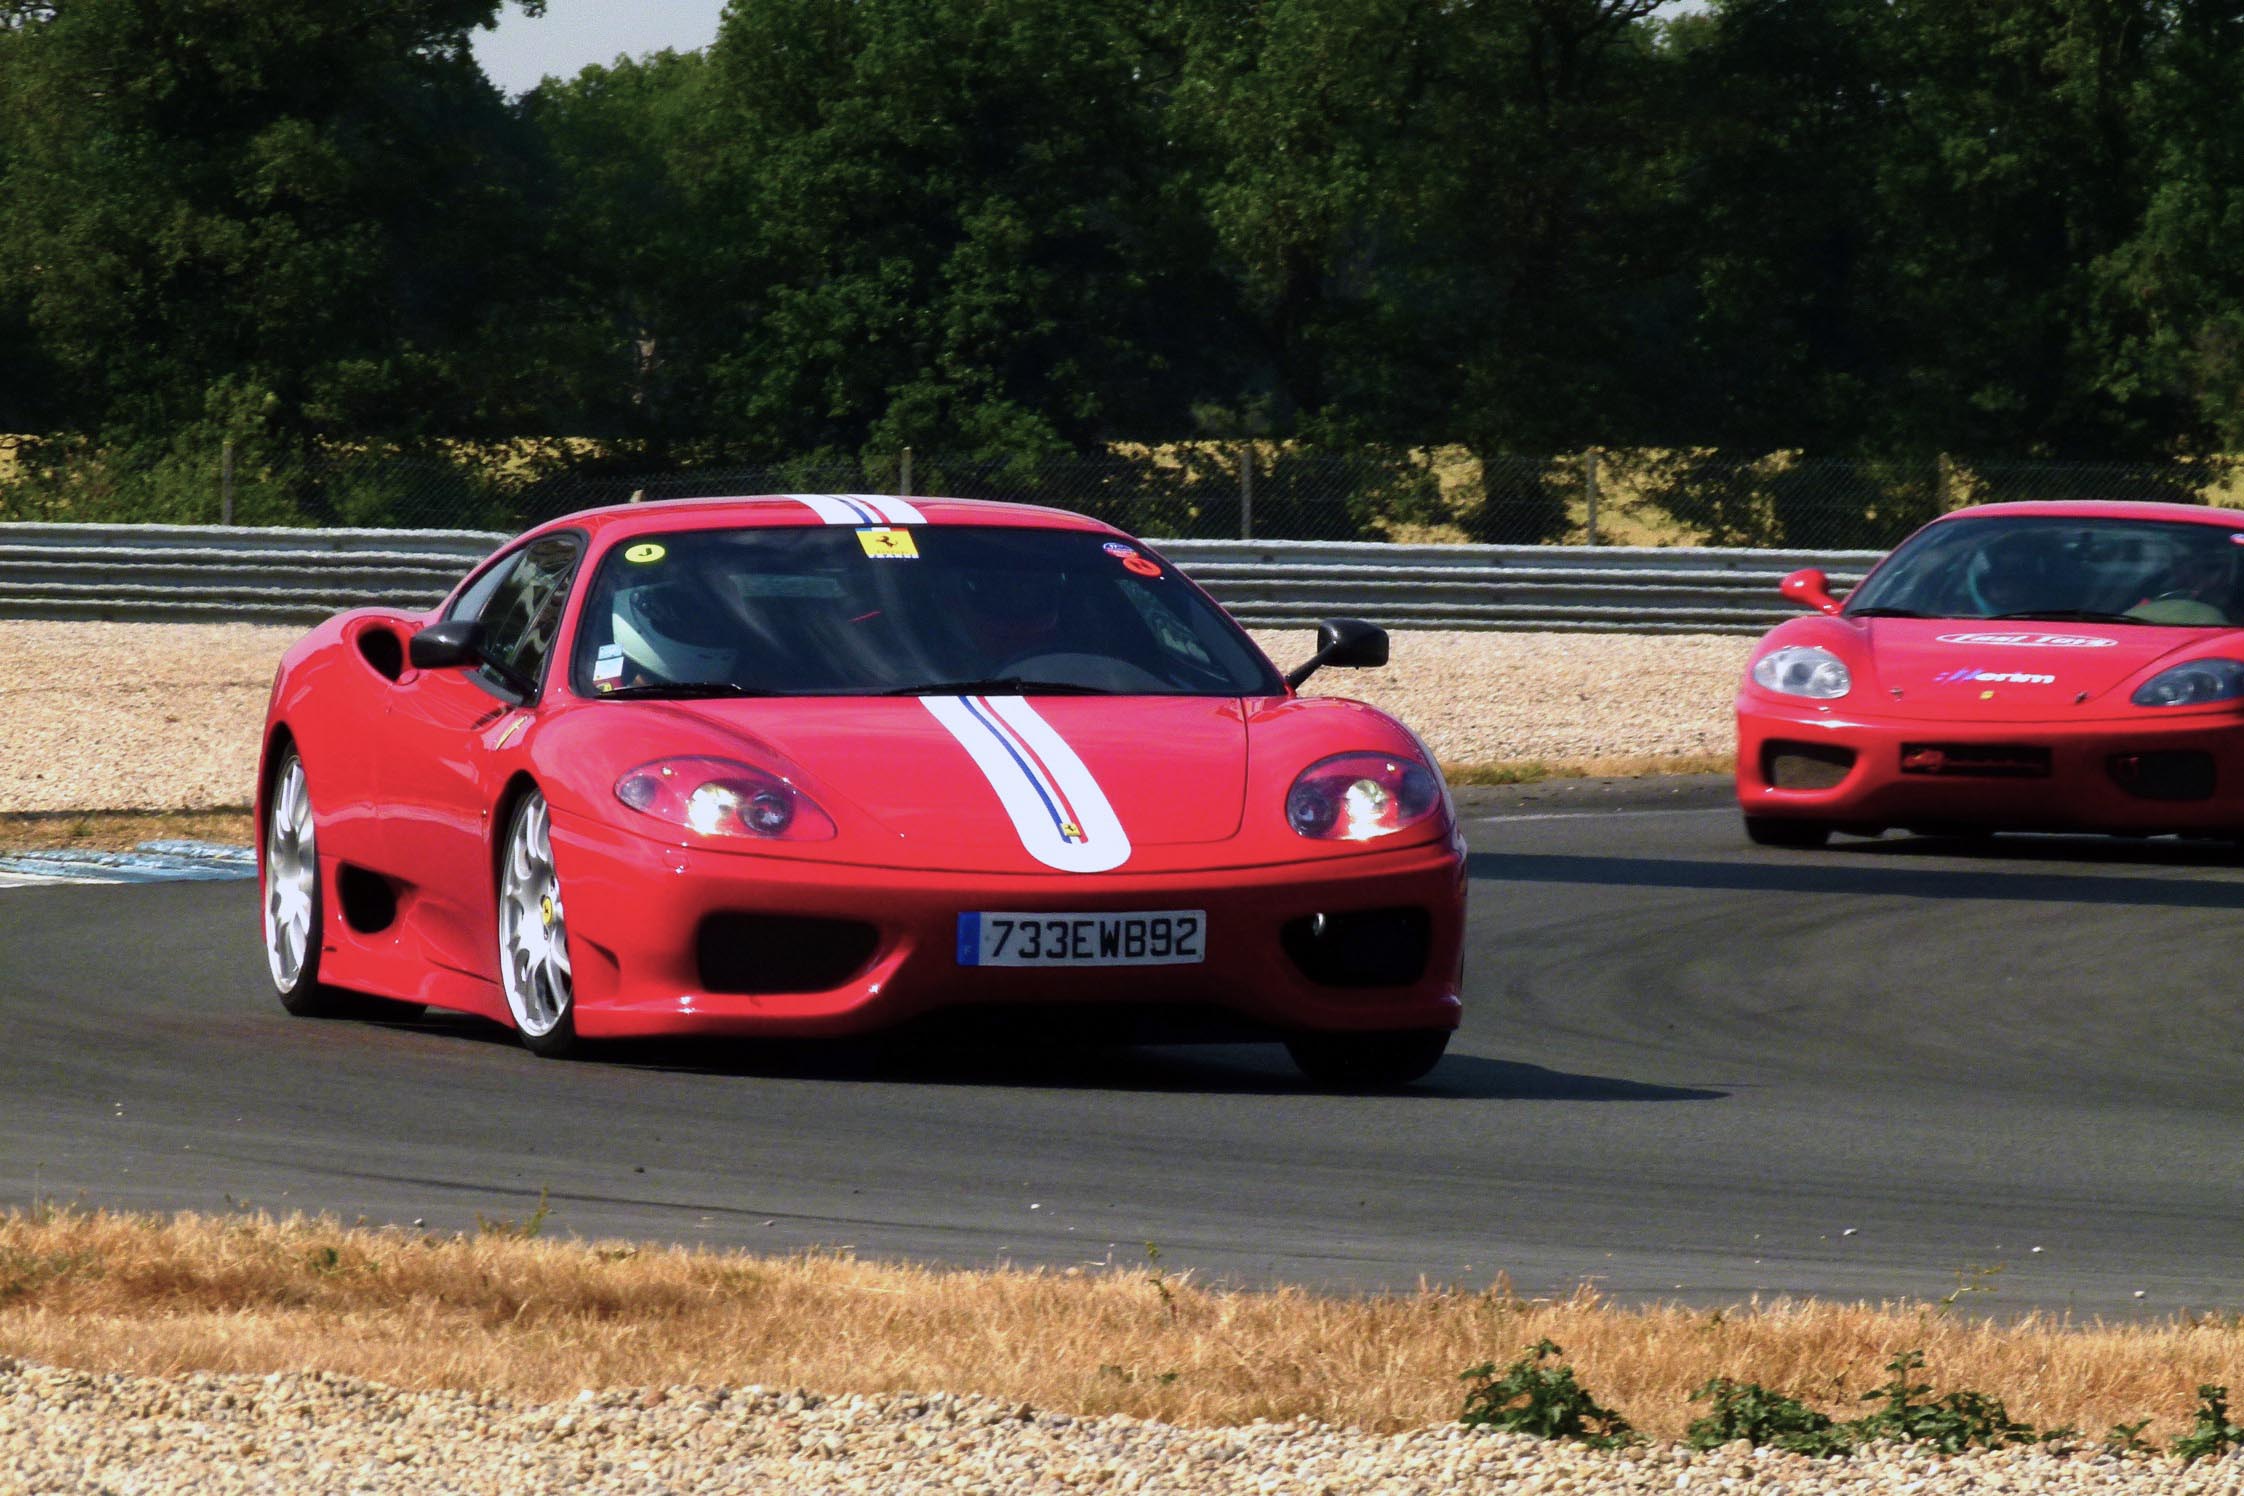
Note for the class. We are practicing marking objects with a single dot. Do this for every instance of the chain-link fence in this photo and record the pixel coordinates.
(1262, 490)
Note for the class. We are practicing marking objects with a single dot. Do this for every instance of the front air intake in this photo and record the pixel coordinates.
(759, 954)
(1804, 766)
(1362, 947)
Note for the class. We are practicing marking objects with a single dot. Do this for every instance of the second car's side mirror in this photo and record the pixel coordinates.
(1810, 588)
(1342, 641)
(446, 645)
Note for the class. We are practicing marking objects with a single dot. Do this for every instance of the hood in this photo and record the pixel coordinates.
(2021, 671)
(1007, 783)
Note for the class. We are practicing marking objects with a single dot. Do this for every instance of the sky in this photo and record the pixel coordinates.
(573, 34)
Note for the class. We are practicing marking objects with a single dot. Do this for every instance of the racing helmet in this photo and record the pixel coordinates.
(668, 630)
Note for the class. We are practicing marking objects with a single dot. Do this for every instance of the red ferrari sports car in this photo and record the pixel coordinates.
(2024, 667)
(819, 764)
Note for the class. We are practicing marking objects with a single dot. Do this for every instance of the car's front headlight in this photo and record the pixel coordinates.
(1357, 796)
(1803, 670)
(718, 797)
(2195, 683)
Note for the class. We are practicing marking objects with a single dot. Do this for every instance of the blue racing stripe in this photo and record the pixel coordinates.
(1059, 821)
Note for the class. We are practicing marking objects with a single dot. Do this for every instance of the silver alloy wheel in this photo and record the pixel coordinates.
(533, 930)
(291, 876)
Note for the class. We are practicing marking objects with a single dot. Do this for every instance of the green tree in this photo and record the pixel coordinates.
(951, 225)
(637, 260)
(1442, 219)
(274, 219)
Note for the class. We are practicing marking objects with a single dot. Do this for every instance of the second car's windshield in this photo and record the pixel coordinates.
(834, 610)
(2096, 570)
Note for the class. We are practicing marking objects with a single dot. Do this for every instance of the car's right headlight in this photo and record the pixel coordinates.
(1803, 670)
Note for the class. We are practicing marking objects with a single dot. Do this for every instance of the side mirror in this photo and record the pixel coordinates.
(446, 645)
(1342, 641)
(1810, 588)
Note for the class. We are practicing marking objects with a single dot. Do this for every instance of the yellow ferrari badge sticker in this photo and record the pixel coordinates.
(641, 555)
(885, 544)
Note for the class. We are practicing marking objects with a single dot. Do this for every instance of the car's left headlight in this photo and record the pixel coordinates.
(1803, 670)
(1357, 796)
(2194, 683)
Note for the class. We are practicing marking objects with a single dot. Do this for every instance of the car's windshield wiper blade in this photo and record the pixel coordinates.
(1000, 685)
(1886, 613)
(684, 690)
(2064, 615)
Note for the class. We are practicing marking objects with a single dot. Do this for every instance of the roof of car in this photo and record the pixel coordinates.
(2203, 514)
(661, 515)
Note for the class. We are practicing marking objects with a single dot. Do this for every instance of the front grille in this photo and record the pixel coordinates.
(1804, 766)
(1361, 948)
(2173, 774)
(754, 954)
(1976, 760)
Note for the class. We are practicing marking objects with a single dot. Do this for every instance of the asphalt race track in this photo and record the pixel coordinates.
(1691, 1069)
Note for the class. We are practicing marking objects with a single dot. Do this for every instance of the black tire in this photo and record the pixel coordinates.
(534, 969)
(1774, 831)
(1377, 1061)
(288, 873)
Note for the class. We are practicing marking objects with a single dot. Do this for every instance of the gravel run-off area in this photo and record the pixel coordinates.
(63, 1431)
(115, 716)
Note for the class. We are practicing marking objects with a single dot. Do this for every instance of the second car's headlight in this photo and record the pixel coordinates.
(2196, 683)
(1357, 796)
(1803, 670)
(717, 797)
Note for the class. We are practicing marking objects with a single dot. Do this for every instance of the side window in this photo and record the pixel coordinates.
(523, 614)
(478, 596)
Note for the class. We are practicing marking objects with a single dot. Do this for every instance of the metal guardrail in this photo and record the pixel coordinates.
(195, 573)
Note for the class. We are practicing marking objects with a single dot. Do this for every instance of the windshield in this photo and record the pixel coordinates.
(833, 610)
(2098, 570)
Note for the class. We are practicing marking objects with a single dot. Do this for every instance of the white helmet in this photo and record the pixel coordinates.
(648, 621)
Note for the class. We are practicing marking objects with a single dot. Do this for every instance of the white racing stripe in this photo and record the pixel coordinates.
(1057, 808)
(859, 509)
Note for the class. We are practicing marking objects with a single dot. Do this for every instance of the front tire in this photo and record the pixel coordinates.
(293, 906)
(534, 966)
(1377, 1061)
(1775, 831)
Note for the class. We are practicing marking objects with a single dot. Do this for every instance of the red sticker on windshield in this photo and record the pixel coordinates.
(1142, 565)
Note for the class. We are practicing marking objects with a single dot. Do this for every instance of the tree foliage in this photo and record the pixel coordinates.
(1901, 232)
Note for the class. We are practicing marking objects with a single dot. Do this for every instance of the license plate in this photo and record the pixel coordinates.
(1158, 937)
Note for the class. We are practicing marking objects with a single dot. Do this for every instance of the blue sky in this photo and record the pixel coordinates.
(574, 34)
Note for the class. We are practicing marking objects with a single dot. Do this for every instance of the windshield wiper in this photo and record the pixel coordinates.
(2065, 615)
(1886, 613)
(1000, 685)
(684, 690)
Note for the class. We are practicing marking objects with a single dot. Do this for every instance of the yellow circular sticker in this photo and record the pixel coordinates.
(642, 554)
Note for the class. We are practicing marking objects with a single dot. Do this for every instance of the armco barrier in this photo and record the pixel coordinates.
(197, 573)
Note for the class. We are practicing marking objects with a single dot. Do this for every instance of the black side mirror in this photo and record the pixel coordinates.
(1342, 641)
(446, 645)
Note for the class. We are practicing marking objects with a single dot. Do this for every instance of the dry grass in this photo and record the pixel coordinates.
(117, 831)
(1535, 770)
(542, 1319)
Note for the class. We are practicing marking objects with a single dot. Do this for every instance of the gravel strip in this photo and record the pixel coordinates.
(73, 1431)
(118, 716)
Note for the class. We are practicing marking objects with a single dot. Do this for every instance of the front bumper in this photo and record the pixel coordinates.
(2131, 775)
(639, 913)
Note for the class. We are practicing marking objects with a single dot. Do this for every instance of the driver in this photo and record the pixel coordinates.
(1011, 615)
(672, 631)
(2021, 573)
